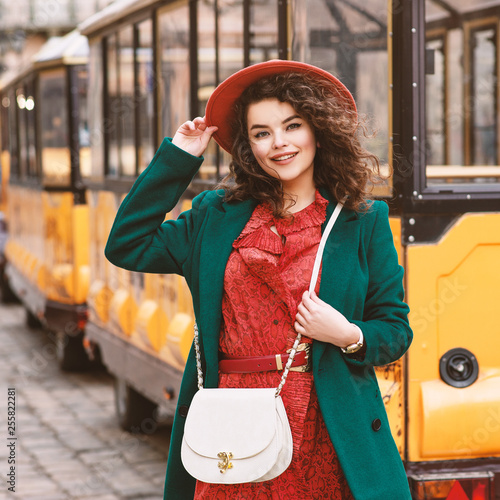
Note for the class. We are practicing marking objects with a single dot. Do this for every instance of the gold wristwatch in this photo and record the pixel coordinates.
(352, 348)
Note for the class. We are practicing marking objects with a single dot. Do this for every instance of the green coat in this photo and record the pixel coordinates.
(360, 277)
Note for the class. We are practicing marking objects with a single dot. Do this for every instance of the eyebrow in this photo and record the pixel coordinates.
(286, 120)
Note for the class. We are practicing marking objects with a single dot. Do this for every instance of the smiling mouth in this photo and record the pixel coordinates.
(284, 157)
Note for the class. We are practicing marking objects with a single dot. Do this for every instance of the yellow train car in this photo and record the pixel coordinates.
(425, 72)
(45, 149)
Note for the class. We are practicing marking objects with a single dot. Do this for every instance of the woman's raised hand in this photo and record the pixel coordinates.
(194, 136)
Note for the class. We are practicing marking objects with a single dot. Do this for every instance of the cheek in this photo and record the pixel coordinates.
(258, 152)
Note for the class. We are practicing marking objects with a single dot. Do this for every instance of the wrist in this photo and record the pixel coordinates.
(358, 340)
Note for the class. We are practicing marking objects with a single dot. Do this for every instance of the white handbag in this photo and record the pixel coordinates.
(241, 435)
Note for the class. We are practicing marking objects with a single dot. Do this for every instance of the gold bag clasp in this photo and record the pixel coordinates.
(225, 463)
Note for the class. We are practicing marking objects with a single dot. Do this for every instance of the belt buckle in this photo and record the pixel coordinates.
(304, 346)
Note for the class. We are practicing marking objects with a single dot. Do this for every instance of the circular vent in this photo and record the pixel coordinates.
(458, 367)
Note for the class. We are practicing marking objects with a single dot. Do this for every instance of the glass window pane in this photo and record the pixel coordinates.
(97, 126)
(350, 41)
(462, 95)
(5, 156)
(173, 32)
(54, 128)
(13, 136)
(207, 78)
(146, 89)
(435, 142)
(82, 76)
(125, 113)
(231, 55)
(23, 131)
(31, 130)
(263, 31)
(484, 125)
(113, 106)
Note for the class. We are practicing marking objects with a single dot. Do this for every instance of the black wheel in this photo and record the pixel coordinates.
(71, 353)
(135, 412)
(7, 296)
(32, 321)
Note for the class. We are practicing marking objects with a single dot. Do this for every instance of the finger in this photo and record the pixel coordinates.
(300, 329)
(308, 303)
(212, 129)
(200, 123)
(300, 319)
(314, 297)
(303, 311)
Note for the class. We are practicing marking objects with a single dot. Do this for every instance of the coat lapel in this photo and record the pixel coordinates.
(223, 226)
(340, 258)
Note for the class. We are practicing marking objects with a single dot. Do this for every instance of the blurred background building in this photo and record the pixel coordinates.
(26, 24)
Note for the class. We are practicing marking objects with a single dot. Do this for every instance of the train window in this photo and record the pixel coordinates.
(435, 119)
(5, 157)
(462, 134)
(29, 107)
(113, 106)
(207, 78)
(97, 126)
(350, 41)
(82, 109)
(13, 136)
(4, 121)
(53, 126)
(174, 77)
(22, 131)
(263, 31)
(228, 50)
(145, 93)
(125, 118)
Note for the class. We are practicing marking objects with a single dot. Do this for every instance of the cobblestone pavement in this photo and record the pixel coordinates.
(69, 445)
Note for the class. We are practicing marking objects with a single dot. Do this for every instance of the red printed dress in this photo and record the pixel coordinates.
(265, 278)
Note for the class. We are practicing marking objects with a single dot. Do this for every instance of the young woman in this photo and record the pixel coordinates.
(247, 251)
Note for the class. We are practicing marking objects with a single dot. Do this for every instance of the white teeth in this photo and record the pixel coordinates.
(286, 157)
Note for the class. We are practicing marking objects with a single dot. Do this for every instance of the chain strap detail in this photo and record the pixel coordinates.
(198, 356)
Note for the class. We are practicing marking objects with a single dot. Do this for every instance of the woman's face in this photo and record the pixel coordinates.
(282, 142)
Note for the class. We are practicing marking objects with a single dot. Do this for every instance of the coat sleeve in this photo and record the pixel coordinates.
(140, 240)
(385, 325)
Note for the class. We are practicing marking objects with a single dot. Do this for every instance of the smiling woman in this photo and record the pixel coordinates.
(247, 252)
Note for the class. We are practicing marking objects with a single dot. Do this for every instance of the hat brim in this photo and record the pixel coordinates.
(220, 105)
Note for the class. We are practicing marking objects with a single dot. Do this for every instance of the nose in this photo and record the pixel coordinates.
(279, 140)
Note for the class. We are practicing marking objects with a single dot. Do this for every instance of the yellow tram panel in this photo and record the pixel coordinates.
(153, 311)
(453, 296)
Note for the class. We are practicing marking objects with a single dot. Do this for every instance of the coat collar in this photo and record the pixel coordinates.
(224, 224)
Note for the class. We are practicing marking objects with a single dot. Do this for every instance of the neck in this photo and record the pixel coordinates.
(302, 195)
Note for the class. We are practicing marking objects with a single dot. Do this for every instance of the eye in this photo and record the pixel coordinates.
(294, 126)
(260, 135)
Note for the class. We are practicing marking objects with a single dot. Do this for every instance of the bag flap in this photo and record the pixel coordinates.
(238, 421)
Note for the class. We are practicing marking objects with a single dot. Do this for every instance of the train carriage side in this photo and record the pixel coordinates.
(45, 148)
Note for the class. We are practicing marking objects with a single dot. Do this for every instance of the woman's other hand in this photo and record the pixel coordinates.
(320, 321)
(193, 136)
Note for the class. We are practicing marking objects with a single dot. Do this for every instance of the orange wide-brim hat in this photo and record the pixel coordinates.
(220, 106)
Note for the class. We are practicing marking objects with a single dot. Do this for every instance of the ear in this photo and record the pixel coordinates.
(318, 145)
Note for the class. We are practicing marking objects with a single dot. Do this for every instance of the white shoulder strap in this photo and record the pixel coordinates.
(322, 243)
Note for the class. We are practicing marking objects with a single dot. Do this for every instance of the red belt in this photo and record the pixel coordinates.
(249, 364)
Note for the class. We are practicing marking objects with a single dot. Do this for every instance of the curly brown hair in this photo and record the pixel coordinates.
(341, 164)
